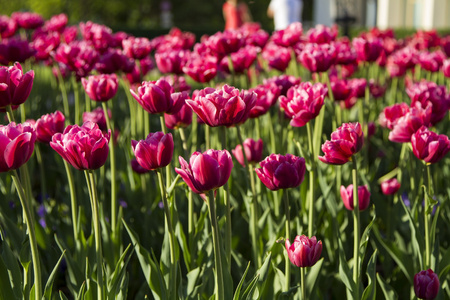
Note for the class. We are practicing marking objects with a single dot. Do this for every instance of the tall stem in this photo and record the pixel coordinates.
(216, 242)
(76, 99)
(302, 282)
(223, 135)
(356, 225)
(288, 233)
(31, 233)
(254, 217)
(427, 221)
(73, 200)
(10, 114)
(41, 172)
(311, 181)
(173, 263)
(62, 87)
(90, 180)
(168, 168)
(112, 163)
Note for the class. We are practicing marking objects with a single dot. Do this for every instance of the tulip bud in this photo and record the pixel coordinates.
(363, 197)
(16, 145)
(253, 151)
(49, 124)
(426, 284)
(155, 151)
(15, 87)
(390, 186)
(429, 146)
(304, 252)
(101, 88)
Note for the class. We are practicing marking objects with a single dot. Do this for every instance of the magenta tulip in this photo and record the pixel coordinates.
(137, 168)
(155, 97)
(391, 114)
(284, 82)
(201, 68)
(100, 36)
(44, 44)
(137, 48)
(429, 146)
(223, 107)
(183, 117)
(281, 171)
(241, 59)
(57, 23)
(266, 96)
(113, 60)
(49, 124)
(290, 36)
(446, 68)
(102, 87)
(16, 145)
(317, 58)
(390, 186)
(363, 197)
(8, 27)
(345, 141)
(322, 34)
(15, 50)
(408, 124)
(206, 171)
(97, 116)
(303, 102)
(28, 20)
(367, 50)
(276, 56)
(172, 61)
(253, 151)
(426, 284)
(85, 147)
(15, 87)
(155, 151)
(304, 252)
(79, 56)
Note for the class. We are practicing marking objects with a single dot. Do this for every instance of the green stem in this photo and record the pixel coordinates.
(173, 262)
(112, 162)
(311, 180)
(73, 200)
(223, 135)
(41, 172)
(254, 217)
(31, 235)
(207, 136)
(168, 168)
(427, 221)
(217, 252)
(87, 102)
(183, 141)
(302, 282)
(10, 114)
(356, 225)
(62, 87)
(288, 233)
(76, 99)
(90, 180)
(131, 107)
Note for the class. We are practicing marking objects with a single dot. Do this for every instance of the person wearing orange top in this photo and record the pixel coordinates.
(235, 14)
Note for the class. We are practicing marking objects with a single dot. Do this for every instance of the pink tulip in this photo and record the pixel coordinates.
(113, 60)
(281, 171)
(183, 117)
(363, 197)
(284, 82)
(446, 68)
(172, 61)
(345, 54)
(155, 151)
(253, 151)
(16, 145)
(97, 116)
(317, 58)
(201, 68)
(340, 88)
(135, 75)
(408, 124)
(277, 57)
(445, 44)
(223, 107)
(49, 124)
(266, 96)
(322, 34)
(99, 35)
(102, 87)
(224, 43)
(137, 48)
(304, 252)
(303, 102)
(431, 61)
(155, 97)
(15, 87)
(390, 186)
(288, 37)
(178, 83)
(391, 114)
(241, 59)
(44, 44)
(206, 171)
(57, 23)
(85, 147)
(79, 56)
(8, 27)
(28, 20)
(346, 141)
(429, 146)
(367, 50)
(426, 285)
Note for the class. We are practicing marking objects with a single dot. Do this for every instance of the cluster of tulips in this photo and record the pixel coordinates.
(382, 102)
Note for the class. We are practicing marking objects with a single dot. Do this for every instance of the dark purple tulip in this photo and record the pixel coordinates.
(49, 124)
(85, 147)
(15, 87)
(113, 60)
(363, 197)
(16, 145)
(304, 252)
(135, 75)
(206, 171)
(426, 284)
(15, 50)
(102, 87)
(429, 146)
(137, 167)
(281, 171)
(253, 151)
(155, 151)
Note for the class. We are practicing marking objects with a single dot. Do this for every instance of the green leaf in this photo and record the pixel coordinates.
(371, 290)
(192, 278)
(118, 274)
(263, 271)
(13, 268)
(344, 270)
(311, 276)
(365, 240)
(6, 290)
(183, 244)
(241, 283)
(62, 296)
(51, 278)
(388, 291)
(149, 266)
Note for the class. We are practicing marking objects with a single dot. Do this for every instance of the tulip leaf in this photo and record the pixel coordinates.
(365, 240)
(344, 270)
(119, 273)
(371, 290)
(444, 264)
(149, 266)
(183, 245)
(62, 296)
(51, 278)
(241, 283)
(6, 290)
(311, 276)
(192, 278)
(388, 291)
(10, 261)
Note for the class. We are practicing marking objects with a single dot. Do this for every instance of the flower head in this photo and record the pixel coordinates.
(426, 284)
(49, 124)
(155, 151)
(15, 87)
(363, 197)
(16, 145)
(304, 251)
(429, 146)
(102, 87)
(253, 151)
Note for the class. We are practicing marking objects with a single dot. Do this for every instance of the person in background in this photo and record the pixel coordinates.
(285, 12)
(235, 14)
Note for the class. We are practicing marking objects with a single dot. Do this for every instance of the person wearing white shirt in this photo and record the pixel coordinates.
(285, 12)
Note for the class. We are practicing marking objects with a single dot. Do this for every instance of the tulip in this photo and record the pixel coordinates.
(44, 44)
(172, 61)
(223, 107)
(284, 82)
(79, 56)
(426, 284)
(367, 50)
(8, 27)
(137, 48)
(16, 145)
(182, 118)
(281, 171)
(97, 116)
(431, 61)
(155, 97)
(49, 124)
(178, 83)
(317, 58)
(266, 96)
(445, 44)
(340, 88)
(134, 76)
(391, 114)
(390, 186)
(113, 60)
(15, 87)
(241, 59)
(345, 54)
(303, 102)
(15, 50)
(408, 124)
(258, 38)
(446, 68)
(56, 23)
(201, 68)
(155, 151)
(28, 20)
(99, 35)
(85, 147)
(345, 141)
(224, 43)
(70, 34)
(322, 34)
(253, 151)
(429, 146)
(276, 56)
(290, 36)
(363, 197)
(206, 171)
(304, 252)
(137, 168)
(102, 87)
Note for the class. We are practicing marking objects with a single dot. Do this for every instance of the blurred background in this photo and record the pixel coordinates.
(155, 17)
